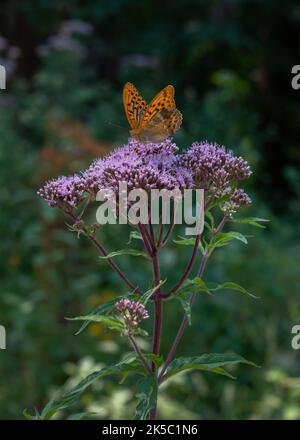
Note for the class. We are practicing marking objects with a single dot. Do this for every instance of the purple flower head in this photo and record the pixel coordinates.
(140, 165)
(238, 199)
(132, 312)
(147, 149)
(65, 190)
(147, 165)
(212, 165)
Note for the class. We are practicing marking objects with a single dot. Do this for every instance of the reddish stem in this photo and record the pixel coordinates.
(170, 229)
(192, 298)
(187, 270)
(103, 251)
(146, 239)
(116, 268)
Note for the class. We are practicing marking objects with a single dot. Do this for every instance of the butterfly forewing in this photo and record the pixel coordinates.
(164, 100)
(134, 105)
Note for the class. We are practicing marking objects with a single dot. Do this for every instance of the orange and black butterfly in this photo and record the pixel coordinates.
(152, 122)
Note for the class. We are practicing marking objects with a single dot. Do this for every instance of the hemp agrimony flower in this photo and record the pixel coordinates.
(156, 166)
(132, 312)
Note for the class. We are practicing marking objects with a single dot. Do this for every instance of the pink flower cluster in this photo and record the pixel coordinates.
(132, 312)
(155, 166)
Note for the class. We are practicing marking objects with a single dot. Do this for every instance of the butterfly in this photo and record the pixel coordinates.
(152, 122)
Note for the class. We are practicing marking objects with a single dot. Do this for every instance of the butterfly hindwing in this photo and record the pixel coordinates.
(164, 100)
(161, 126)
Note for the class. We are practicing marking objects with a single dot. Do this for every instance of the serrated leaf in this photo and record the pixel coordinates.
(140, 331)
(147, 397)
(224, 238)
(212, 362)
(69, 398)
(132, 252)
(111, 322)
(183, 298)
(28, 416)
(182, 241)
(217, 202)
(253, 221)
(158, 360)
(211, 219)
(80, 416)
(236, 287)
(101, 310)
(198, 285)
(147, 295)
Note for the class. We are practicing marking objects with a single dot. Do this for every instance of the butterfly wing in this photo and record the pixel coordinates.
(134, 105)
(164, 100)
(164, 124)
(173, 121)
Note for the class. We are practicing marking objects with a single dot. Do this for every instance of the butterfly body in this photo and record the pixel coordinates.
(152, 122)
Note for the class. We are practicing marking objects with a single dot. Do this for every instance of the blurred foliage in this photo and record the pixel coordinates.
(230, 62)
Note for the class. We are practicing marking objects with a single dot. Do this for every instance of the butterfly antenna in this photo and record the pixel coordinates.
(115, 125)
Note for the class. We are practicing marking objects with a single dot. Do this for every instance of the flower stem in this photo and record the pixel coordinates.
(191, 300)
(158, 306)
(187, 270)
(170, 229)
(121, 274)
(146, 239)
(182, 325)
(103, 252)
(139, 353)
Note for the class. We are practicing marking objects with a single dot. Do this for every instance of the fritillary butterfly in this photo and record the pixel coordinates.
(155, 121)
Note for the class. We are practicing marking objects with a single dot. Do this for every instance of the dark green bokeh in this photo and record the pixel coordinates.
(230, 62)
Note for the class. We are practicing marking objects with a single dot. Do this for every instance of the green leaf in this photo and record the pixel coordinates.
(101, 310)
(111, 322)
(212, 362)
(217, 202)
(128, 364)
(132, 252)
(140, 331)
(158, 360)
(147, 295)
(253, 221)
(184, 299)
(224, 238)
(47, 409)
(134, 235)
(236, 287)
(211, 224)
(80, 416)
(28, 416)
(198, 285)
(147, 397)
(182, 241)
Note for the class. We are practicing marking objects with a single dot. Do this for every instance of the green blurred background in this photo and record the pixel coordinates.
(230, 62)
